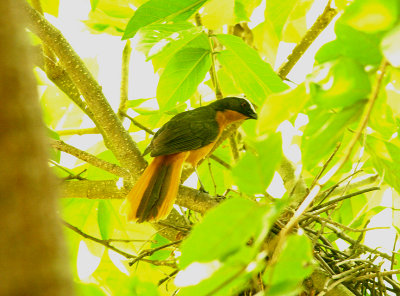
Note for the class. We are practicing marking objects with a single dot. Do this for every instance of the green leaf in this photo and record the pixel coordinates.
(226, 82)
(50, 6)
(255, 77)
(162, 58)
(95, 173)
(162, 254)
(371, 16)
(324, 131)
(277, 13)
(157, 11)
(391, 46)
(229, 279)
(382, 118)
(345, 84)
(296, 25)
(104, 219)
(109, 16)
(253, 173)
(155, 38)
(135, 103)
(182, 75)
(88, 290)
(239, 219)
(116, 282)
(266, 41)
(211, 16)
(280, 107)
(93, 4)
(244, 9)
(386, 158)
(358, 45)
(297, 258)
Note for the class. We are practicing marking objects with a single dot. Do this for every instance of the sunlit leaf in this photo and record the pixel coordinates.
(391, 46)
(93, 4)
(238, 219)
(95, 173)
(82, 289)
(229, 279)
(50, 6)
(195, 40)
(386, 157)
(104, 219)
(211, 16)
(344, 84)
(161, 254)
(182, 75)
(382, 117)
(352, 43)
(324, 131)
(157, 11)
(226, 83)
(280, 107)
(254, 76)
(108, 16)
(277, 14)
(266, 41)
(244, 9)
(109, 276)
(296, 25)
(297, 258)
(154, 38)
(135, 103)
(253, 173)
(371, 15)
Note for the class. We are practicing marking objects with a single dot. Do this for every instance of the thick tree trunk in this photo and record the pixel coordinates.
(32, 252)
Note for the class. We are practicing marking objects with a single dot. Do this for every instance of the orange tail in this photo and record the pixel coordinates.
(153, 195)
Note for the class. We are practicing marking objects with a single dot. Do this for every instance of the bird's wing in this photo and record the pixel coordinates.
(190, 131)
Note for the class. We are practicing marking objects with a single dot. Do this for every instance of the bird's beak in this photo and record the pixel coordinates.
(253, 116)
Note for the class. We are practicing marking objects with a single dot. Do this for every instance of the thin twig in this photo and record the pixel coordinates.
(321, 219)
(379, 273)
(220, 161)
(340, 198)
(213, 68)
(138, 124)
(150, 252)
(89, 158)
(71, 175)
(353, 242)
(111, 247)
(126, 55)
(79, 131)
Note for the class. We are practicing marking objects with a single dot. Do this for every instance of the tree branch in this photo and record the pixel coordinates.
(320, 24)
(62, 80)
(118, 139)
(108, 189)
(91, 159)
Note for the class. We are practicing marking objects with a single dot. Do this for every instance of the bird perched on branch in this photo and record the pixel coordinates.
(188, 137)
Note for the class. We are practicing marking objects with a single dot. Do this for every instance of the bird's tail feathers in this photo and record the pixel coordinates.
(153, 195)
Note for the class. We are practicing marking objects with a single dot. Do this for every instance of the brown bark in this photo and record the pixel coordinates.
(32, 252)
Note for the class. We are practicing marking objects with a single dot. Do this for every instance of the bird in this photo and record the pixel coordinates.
(187, 137)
